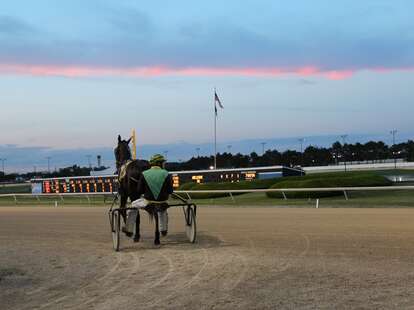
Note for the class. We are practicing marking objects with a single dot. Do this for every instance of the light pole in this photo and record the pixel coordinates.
(198, 152)
(2, 165)
(344, 152)
(263, 147)
(394, 132)
(89, 161)
(301, 140)
(48, 163)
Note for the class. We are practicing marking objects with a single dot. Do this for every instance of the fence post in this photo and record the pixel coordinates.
(89, 201)
(188, 195)
(15, 199)
(346, 196)
(317, 203)
(232, 198)
(284, 196)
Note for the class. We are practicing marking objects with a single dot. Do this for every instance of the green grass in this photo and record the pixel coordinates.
(395, 198)
(255, 184)
(389, 172)
(324, 181)
(15, 188)
(368, 199)
(327, 179)
(50, 200)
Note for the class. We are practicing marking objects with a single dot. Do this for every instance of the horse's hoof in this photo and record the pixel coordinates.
(136, 238)
(157, 242)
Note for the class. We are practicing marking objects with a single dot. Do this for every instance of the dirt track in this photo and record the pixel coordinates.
(248, 258)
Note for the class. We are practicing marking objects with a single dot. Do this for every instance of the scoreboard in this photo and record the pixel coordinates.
(109, 183)
(99, 184)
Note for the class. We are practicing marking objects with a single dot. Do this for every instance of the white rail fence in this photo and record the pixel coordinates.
(59, 196)
(315, 189)
(345, 190)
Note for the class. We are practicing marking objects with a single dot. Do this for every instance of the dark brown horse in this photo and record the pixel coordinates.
(129, 173)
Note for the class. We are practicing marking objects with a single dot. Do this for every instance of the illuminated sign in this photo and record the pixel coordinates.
(176, 181)
(77, 185)
(197, 178)
(250, 175)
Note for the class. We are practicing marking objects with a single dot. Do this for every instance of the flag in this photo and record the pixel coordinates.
(217, 99)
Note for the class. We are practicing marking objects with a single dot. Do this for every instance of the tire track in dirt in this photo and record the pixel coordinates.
(130, 292)
(55, 281)
(180, 288)
(137, 294)
(171, 269)
(81, 289)
(285, 261)
(242, 257)
(130, 270)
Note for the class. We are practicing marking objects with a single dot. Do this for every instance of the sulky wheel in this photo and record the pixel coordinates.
(190, 225)
(116, 227)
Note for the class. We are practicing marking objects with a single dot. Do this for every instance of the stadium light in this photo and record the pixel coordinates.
(89, 161)
(344, 152)
(48, 163)
(301, 140)
(394, 132)
(2, 164)
(263, 147)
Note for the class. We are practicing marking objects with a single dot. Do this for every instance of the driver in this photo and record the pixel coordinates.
(155, 186)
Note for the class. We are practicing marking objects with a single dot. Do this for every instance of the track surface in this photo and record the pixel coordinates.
(247, 258)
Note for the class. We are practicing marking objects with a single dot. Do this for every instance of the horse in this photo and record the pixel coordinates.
(129, 174)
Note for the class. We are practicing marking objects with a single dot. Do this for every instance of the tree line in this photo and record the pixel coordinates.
(370, 152)
(71, 171)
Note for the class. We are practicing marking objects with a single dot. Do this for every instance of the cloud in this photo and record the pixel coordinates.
(10, 25)
(140, 41)
(131, 23)
(159, 71)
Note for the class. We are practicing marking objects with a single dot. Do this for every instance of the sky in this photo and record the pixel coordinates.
(75, 74)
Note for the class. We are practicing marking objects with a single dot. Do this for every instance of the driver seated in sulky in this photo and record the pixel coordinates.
(155, 186)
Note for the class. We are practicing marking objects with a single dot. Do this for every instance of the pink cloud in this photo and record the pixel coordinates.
(89, 71)
(338, 75)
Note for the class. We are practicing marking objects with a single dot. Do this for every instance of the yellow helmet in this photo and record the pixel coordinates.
(156, 159)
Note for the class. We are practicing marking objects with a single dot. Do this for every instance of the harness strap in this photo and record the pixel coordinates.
(157, 202)
(133, 179)
(122, 170)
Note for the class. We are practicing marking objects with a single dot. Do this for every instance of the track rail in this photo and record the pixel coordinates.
(234, 191)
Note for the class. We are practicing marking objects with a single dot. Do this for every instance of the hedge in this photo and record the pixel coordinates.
(327, 179)
(255, 184)
(341, 180)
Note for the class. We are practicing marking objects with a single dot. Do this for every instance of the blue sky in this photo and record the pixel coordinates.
(74, 74)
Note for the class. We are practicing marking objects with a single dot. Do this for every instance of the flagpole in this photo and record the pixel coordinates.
(215, 130)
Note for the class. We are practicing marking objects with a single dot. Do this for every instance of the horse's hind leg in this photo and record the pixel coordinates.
(157, 231)
(137, 235)
(124, 200)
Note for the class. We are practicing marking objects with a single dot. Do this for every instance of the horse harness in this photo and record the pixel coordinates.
(123, 171)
